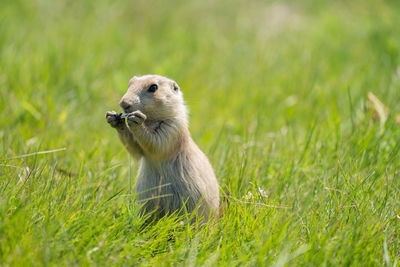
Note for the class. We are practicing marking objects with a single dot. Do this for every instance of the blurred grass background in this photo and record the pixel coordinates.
(277, 95)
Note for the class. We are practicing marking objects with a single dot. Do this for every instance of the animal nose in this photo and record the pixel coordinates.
(124, 104)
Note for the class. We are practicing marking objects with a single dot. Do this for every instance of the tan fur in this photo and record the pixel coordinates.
(174, 175)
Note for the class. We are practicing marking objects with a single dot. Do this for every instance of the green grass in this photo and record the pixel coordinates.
(277, 94)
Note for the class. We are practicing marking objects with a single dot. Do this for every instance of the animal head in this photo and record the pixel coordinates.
(158, 97)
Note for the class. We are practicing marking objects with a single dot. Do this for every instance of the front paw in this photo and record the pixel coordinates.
(135, 119)
(114, 119)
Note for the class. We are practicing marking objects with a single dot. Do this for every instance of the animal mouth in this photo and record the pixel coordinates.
(129, 109)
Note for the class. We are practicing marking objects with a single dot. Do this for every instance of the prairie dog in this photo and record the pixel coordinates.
(174, 175)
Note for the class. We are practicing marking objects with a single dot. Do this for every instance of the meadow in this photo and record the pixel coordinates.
(277, 93)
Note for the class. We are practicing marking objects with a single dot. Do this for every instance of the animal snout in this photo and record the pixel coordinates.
(130, 103)
(125, 104)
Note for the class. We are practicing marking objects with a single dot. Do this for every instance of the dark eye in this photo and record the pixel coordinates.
(152, 88)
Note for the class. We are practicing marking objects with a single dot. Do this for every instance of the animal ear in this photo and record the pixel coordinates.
(175, 86)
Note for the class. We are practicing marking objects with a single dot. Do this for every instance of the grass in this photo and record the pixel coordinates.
(277, 93)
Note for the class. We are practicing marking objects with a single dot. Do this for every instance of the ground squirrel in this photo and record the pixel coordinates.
(174, 175)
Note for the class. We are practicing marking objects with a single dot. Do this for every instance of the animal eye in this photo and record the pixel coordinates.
(152, 88)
